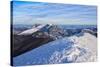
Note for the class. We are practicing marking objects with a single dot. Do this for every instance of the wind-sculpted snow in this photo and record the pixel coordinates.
(66, 50)
(83, 50)
(42, 54)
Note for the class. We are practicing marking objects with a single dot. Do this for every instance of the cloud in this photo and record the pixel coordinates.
(36, 12)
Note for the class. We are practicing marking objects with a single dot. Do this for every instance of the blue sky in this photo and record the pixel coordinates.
(42, 12)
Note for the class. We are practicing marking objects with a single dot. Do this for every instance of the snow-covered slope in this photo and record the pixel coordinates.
(31, 31)
(66, 50)
(84, 49)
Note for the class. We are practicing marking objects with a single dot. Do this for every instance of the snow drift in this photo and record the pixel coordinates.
(66, 50)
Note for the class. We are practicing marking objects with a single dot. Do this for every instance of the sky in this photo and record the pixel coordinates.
(53, 13)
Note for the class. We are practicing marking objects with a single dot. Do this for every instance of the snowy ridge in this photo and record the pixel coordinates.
(83, 50)
(65, 50)
(31, 31)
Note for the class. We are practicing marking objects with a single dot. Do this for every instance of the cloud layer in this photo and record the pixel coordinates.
(39, 12)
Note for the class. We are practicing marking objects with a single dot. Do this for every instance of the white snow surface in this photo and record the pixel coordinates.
(33, 30)
(83, 50)
(66, 50)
